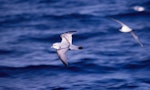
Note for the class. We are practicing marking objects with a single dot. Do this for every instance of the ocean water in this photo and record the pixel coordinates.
(110, 60)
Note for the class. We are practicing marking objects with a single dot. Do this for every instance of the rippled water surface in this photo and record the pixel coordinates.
(110, 60)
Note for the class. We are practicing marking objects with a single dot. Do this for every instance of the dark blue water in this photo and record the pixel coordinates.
(110, 60)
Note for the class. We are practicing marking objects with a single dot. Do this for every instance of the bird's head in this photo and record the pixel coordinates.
(56, 46)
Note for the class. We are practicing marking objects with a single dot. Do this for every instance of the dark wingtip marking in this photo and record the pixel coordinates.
(66, 65)
(80, 47)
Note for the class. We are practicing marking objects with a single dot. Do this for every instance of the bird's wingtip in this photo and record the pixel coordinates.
(66, 65)
(114, 19)
(142, 45)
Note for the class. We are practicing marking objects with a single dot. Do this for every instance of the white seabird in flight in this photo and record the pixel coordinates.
(139, 8)
(125, 28)
(65, 45)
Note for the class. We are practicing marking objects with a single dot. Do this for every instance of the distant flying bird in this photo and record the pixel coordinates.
(65, 45)
(125, 28)
(139, 8)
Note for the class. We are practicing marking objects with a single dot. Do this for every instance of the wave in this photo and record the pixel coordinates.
(40, 38)
(7, 71)
(26, 20)
(4, 51)
(137, 65)
(81, 66)
(131, 14)
(71, 15)
(29, 67)
(74, 67)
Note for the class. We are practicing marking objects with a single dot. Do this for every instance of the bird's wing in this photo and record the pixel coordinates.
(62, 55)
(122, 24)
(124, 28)
(136, 38)
(67, 36)
(64, 41)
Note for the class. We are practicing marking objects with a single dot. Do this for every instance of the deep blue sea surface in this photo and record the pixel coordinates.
(110, 60)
